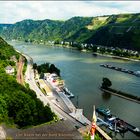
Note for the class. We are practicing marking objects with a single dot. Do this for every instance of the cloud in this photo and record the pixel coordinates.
(13, 11)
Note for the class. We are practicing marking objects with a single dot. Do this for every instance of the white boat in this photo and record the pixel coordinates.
(136, 129)
(137, 73)
(68, 92)
(112, 119)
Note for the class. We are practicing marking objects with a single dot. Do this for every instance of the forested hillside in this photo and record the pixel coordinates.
(18, 105)
(121, 30)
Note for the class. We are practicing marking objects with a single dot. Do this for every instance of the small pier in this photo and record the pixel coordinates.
(67, 101)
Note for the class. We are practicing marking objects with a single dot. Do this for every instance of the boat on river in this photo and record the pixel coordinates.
(103, 111)
(115, 123)
(131, 128)
(68, 92)
(137, 73)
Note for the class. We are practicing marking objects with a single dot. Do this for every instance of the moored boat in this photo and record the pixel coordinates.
(68, 92)
(116, 124)
(137, 73)
(103, 111)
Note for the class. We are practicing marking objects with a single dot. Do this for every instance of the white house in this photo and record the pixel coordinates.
(9, 70)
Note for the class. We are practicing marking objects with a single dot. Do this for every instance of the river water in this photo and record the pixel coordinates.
(83, 76)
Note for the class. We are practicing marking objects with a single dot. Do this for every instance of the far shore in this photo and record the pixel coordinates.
(87, 51)
(106, 55)
(118, 57)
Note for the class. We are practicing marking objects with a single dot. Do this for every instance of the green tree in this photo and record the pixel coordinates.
(12, 63)
(54, 69)
(137, 55)
(106, 83)
(94, 48)
(41, 75)
(3, 109)
(102, 50)
(34, 66)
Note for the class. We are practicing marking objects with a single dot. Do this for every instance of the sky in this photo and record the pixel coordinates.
(14, 11)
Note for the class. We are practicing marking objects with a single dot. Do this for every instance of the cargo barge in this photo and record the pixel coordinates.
(136, 73)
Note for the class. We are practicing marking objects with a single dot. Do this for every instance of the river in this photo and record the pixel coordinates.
(83, 75)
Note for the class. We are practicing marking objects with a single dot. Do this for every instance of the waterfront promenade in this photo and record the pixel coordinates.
(29, 78)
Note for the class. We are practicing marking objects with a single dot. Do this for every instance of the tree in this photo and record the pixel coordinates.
(137, 55)
(94, 48)
(34, 66)
(41, 75)
(106, 83)
(102, 50)
(3, 109)
(12, 63)
(54, 69)
(79, 47)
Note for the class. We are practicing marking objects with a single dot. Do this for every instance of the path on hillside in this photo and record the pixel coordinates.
(20, 64)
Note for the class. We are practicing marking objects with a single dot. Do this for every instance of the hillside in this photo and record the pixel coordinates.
(6, 51)
(18, 105)
(121, 30)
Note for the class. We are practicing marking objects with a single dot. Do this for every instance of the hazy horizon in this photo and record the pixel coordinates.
(15, 11)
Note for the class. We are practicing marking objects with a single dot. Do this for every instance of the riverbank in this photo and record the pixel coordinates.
(122, 95)
(88, 51)
(97, 53)
(118, 57)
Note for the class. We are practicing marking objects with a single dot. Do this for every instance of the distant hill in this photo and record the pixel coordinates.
(121, 30)
(3, 27)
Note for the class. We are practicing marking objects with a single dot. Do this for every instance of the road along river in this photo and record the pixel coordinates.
(83, 75)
